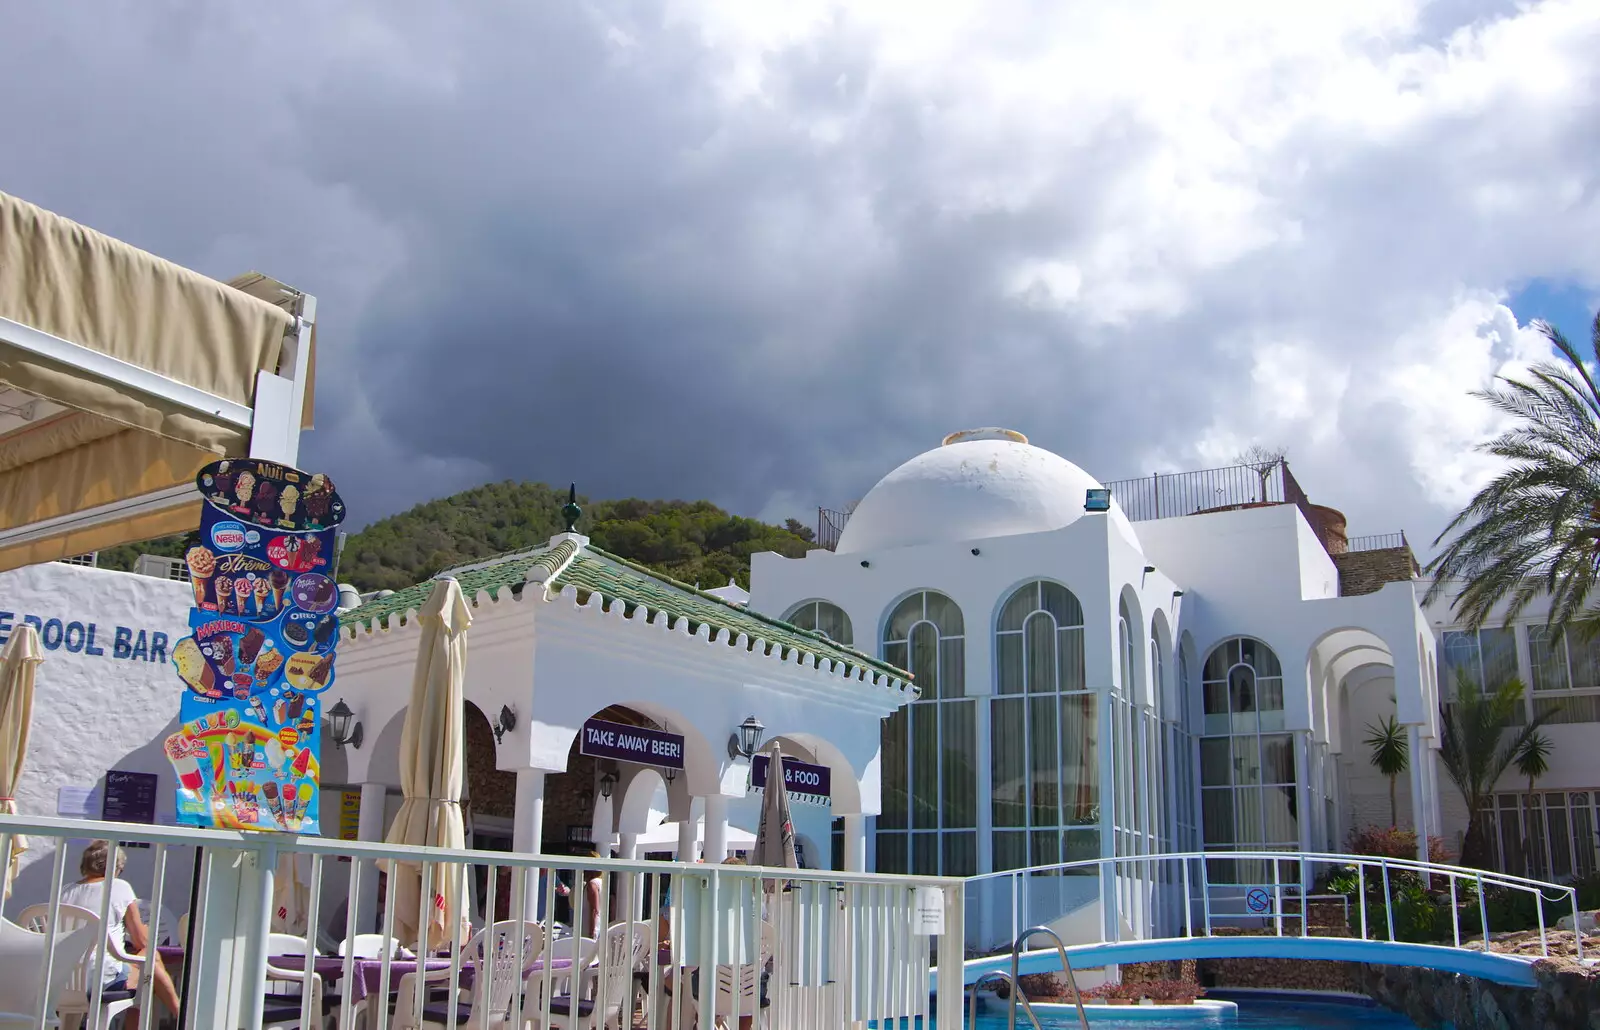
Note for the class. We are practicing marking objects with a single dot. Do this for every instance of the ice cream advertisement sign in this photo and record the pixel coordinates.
(261, 649)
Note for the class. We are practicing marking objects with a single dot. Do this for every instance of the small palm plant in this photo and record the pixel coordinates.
(1476, 747)
(1391, 753)
(1532, 761)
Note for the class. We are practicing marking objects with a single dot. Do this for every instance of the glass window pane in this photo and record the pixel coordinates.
(1277, 759)
(1499, 648)
(906, 614)
(832, 621)
(1079, 845)
(1017, 609)
(924, 765)
(1583, 648)
(952, 667)
(891, 857)
(1010, 662)
(960, 854)
(1241, 689)
(1046, 847)
(1217, 664)
(895, 783)
(942, 612)
(1247, 760)
(924, 667)
(960, 745)
(1248, 828)
(1008, 762)
(1459, 662)
(1010, 850)
(804, 616)
(1061, 604)
(1281, 822)
(925, 854)
(1070, 658)
(1547, 659)
(1080, 761)
(1216, 762)
(1259, 657)
(1040, 635)
(1046, 772)
(1216, 695)
(1560, 842)
(898, 655)
(1583, 836)
(1216, 807)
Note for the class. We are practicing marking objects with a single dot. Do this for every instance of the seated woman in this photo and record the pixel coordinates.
(123, 924)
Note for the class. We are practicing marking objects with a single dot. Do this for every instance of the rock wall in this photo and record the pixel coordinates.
(1567, 998)
(1280, 974)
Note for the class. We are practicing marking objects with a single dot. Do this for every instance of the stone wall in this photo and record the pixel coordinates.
(1567, 998)
(1366, 572)
(1280, 974)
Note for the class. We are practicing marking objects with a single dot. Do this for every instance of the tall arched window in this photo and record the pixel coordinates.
(1045, 767)
(930, 786)
(825, 617)
(1247, 762)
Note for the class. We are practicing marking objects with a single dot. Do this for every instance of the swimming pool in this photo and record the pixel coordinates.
(1254, 1014)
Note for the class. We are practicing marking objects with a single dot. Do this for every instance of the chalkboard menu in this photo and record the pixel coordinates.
(130, 797)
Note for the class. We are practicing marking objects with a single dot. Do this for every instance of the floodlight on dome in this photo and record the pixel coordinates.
(1097, 499)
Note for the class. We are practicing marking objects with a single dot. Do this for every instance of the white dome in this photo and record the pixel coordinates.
(980, 483)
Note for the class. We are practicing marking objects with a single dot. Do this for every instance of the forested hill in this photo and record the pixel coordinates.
(693, 541)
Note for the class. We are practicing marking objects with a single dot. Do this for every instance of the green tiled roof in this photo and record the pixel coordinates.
(492, 575)
(597, 571)
(589, 570)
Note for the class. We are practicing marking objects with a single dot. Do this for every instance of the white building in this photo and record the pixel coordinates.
(1092, 685)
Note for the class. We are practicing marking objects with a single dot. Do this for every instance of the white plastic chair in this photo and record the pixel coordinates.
(568, 1007)
(286, 984)
(608, 981)
(22, 956)
(737, 982)
(369, 945)
(78, 990)
(495, 981)
(161, 930)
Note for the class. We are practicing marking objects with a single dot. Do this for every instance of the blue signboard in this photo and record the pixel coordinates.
(264, 630)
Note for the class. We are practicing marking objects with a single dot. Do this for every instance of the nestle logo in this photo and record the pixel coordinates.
(228, 536)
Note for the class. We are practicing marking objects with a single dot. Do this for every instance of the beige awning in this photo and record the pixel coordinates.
(121, 375)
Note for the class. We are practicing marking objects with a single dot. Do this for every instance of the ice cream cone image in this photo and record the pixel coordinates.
(202, 565)
(224, 593)
(288, 806)
(267, 663)
(274, 804)
(260, 590)
(279, 581)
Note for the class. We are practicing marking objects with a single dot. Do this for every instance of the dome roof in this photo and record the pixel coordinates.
(980, 483)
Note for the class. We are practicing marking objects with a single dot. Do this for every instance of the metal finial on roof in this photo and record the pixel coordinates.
(570, 511)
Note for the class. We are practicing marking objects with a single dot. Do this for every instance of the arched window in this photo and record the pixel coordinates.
(930, 786)
(825, 617)
(1247, 762)
(1042, 754)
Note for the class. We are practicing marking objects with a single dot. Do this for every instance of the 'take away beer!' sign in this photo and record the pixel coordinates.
(601, 739)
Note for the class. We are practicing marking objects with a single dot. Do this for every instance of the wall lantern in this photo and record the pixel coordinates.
(1097, 499)
(1177, 593)
(670, 775)
(608, 783)
(1149, 569)
(505, 724)
(339, 717)
(744, 743)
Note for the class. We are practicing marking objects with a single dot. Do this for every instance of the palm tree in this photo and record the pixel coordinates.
(1532, 761)
(1535, 528)
(1475, 753)
(1390, 755)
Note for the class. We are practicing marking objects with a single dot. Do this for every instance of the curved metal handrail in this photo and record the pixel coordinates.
(1066, 967)
(1015, 993)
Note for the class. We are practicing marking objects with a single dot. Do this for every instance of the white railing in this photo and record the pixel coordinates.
(1148, 897)
(814, 949)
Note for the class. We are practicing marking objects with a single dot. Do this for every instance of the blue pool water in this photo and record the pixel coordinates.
(1254, 1014)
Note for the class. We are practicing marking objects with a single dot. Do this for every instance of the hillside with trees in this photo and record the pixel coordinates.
(693, 541)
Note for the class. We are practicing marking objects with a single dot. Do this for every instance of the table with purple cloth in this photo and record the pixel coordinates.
(367, 973)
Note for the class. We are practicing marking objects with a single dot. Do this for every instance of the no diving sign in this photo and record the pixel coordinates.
(1258, 900)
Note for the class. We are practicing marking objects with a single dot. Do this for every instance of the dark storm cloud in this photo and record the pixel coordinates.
(589, 242)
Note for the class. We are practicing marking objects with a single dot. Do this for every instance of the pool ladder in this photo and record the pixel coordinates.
(1013, 980)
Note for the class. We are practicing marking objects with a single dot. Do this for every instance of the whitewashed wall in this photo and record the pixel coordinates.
(106, 696)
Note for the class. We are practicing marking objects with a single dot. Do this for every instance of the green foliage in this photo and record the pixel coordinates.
(1476, 749)
(692, 541)
(1390, 753)
(1534, 529)
(1418, 918)
(1392, 842)
(1533, 757)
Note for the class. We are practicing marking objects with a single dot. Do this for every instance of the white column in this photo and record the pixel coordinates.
(1419, 793)
(369, 826)
(527, 832)
(687, 837)
(632, 892)
(716, 846)
(855, 843)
